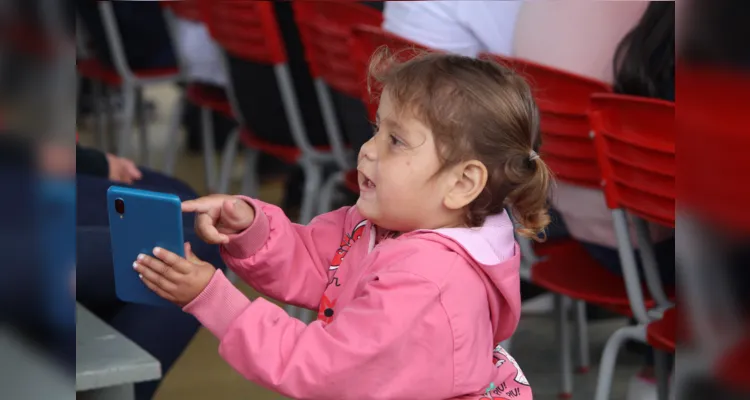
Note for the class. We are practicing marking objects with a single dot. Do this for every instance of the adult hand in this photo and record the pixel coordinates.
(219, 215)
(179, 280)
(122, 170)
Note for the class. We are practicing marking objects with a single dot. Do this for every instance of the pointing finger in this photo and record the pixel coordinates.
(197, 205)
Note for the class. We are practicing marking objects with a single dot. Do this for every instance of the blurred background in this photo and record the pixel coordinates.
(641, 291)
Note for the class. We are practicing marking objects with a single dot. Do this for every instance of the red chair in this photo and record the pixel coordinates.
(130, 81)
(635, 143)
(713, 164)
(326, 33)
(662, 334)
(563, 266)
(250, 31)
(367, 39)
(209, 99)
(563, 99)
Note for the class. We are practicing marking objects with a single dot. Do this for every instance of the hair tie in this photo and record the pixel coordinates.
(533, 155)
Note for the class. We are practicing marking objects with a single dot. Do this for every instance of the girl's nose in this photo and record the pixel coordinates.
(368, 150)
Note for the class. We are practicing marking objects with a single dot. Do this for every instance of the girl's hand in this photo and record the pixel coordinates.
(218, 216)
(177, 279)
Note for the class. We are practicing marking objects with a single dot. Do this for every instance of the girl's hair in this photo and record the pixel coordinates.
(644, 60)
(477, 110)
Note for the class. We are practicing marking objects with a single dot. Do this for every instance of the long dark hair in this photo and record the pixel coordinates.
(645, 58)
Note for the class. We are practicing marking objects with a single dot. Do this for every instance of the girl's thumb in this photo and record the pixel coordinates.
(189, 253)
(232, 216)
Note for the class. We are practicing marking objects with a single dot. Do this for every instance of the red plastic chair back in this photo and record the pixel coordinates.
(245, 29)
(185, 9)
(714, 140)
(326, 31)
(635, 141)
(563, 100)
(367, 39)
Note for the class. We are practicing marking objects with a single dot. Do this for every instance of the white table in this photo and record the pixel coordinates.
(108, 365)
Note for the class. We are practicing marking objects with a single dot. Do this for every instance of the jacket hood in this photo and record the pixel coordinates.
(493, 252)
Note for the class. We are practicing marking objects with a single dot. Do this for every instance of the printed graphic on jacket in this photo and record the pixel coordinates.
(346, 243)
(492, 390)
(500, 355)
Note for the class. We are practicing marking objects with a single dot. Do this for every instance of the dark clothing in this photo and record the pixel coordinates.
(91, 162)
(258, 91)
(143, 30)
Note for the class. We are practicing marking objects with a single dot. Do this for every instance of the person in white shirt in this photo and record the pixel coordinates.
(462, 27)
(202, 58)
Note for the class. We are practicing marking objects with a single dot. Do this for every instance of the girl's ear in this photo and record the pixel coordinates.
(470, 179)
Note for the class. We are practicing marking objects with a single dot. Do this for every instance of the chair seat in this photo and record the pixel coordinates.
(661, 334)
(96, 70)
(287, 154)
(211, 97)
(351, 180)
(569, 270)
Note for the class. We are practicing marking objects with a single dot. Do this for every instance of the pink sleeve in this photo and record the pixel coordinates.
(394, 339)
(285, 261)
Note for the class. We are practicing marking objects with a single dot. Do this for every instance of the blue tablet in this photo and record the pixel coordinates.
(140, 220)
(56, 218)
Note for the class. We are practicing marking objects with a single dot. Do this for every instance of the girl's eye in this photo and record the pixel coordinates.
(375, 128)
(395, 141)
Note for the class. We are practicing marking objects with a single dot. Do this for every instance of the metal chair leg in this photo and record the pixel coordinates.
(328, 190)
(250, 182)
(98, 103)
(661, 368)
(209, 152)
(173, 134)
(313, 180)
(110, 121)
(564, 345)
(228, 156)
(582, 337)
(124, 139)
(140, 116)
(609, 357)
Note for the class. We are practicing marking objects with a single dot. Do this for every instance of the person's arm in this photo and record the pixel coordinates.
(394, 340)
(283, 260)
(91, 162)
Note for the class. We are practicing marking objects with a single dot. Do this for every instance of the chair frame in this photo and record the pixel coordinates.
(631, 276)
(306, 16)
(311, 160)
(132, 89)
(563, 305)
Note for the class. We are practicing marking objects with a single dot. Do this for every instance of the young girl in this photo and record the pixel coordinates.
(418, 282)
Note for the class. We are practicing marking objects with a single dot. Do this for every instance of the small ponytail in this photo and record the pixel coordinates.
(528, 201)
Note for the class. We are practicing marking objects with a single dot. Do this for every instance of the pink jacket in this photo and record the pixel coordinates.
(416, 317)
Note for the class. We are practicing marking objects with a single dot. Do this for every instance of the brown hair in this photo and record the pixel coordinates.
(477, 109)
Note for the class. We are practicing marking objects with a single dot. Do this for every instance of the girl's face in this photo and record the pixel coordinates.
(399, 188)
